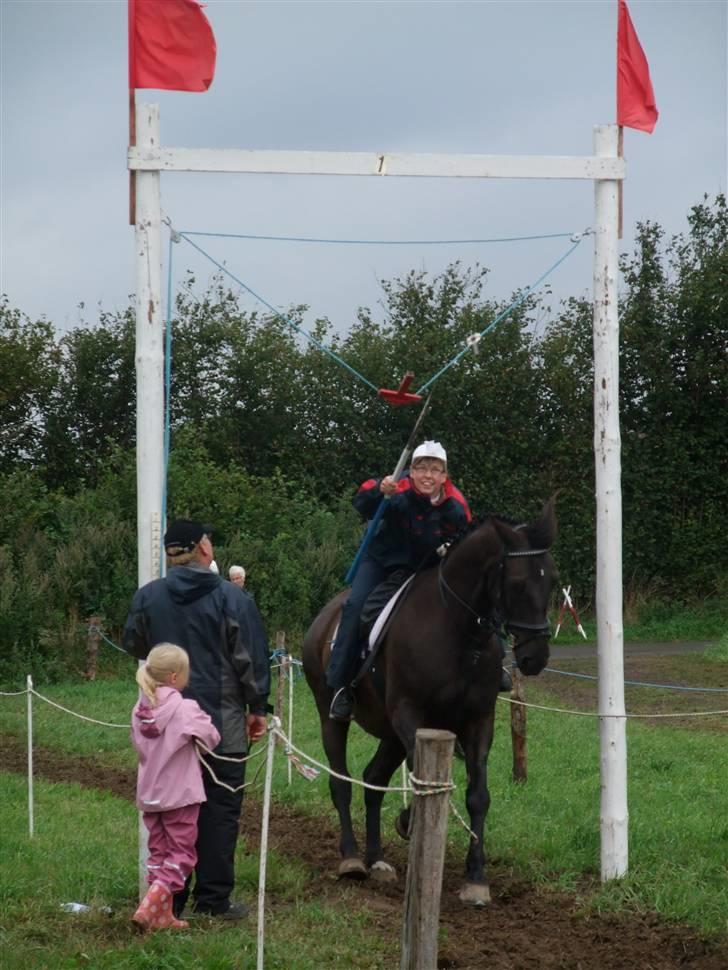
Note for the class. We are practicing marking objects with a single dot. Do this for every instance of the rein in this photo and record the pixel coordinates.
(539, 629)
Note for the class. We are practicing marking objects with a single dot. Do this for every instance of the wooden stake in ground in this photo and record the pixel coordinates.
(433, 763)
(92, 646)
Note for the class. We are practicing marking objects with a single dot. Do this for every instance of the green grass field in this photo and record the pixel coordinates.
(84, 848)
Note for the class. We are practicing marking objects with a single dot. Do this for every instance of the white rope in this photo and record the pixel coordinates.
(82, 717)
(225, 757)
(562, 710)
(426, 787)
(222, 784)
(15, 693)
(326, 768)
(462, 821)
(430, 787)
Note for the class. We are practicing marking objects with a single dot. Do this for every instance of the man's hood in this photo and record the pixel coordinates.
(188, 583)
(154, 720)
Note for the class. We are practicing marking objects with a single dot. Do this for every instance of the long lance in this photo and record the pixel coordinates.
(374, 521)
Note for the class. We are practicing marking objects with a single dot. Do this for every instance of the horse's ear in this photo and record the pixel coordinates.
(543, 532)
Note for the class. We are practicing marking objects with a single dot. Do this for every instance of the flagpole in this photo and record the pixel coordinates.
(131, 8)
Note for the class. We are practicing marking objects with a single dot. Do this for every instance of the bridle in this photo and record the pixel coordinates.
(509, 623)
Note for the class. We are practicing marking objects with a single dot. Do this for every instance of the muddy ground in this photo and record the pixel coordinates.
(526, 927)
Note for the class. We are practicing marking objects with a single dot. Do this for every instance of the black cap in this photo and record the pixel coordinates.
(183, 535)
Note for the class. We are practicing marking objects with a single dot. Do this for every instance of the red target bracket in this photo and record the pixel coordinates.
(402, 395)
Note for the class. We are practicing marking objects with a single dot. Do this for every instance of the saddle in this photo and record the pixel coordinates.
(377, 614)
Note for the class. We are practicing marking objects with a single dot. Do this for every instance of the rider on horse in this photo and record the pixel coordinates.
(423, 510)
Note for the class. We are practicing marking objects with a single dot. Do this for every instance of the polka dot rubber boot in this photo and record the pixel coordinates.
(155, 911)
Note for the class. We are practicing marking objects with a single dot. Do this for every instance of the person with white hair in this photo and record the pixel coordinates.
(423, 510)
(236, 574)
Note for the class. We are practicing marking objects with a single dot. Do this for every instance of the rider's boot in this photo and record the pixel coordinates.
(342, 705)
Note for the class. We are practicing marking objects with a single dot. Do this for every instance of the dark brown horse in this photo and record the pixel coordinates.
(440, 667)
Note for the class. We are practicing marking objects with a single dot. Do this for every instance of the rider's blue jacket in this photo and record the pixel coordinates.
(412, 526)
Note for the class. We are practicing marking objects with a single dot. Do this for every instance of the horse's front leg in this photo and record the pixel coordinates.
(388, 757)
(476, 891)
(334, 735)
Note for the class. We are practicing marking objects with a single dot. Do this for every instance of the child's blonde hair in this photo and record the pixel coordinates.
(163, 660)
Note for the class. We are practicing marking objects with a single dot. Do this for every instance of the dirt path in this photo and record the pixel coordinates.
(525, 928)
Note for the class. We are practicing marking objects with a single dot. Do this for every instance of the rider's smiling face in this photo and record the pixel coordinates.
(428, 476)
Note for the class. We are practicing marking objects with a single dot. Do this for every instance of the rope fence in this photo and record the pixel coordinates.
(308, 766)
(640, 683)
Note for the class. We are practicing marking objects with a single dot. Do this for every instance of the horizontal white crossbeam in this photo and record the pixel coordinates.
(367, 163)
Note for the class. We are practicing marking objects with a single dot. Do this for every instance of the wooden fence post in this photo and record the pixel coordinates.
(518, 729)
(433, 763)
(92, 646)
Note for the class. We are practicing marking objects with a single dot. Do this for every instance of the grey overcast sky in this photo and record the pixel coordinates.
(478, 77)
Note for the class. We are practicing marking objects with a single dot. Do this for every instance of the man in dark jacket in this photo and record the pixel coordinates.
(424, 510)
(219, 626)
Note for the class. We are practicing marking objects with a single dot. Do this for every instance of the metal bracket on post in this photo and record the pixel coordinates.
(156, 527)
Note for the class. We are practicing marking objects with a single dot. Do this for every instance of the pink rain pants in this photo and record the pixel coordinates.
(172, 838)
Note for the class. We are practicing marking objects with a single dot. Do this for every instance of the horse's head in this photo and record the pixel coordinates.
(527, 579)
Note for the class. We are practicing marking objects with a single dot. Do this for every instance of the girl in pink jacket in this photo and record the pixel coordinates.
(164, 727)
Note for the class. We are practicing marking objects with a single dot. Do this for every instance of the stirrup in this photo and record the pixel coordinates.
(342, 705)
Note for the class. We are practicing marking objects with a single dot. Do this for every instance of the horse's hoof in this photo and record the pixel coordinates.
(381, 871)
(352, 869)
(474, 894)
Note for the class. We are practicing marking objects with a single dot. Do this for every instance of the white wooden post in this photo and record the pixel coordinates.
(150, 377)
(263, 862)
(289, 671)
(149, 353)
(29, 685)
(610, 635)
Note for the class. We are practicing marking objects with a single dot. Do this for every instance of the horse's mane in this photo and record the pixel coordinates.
(538, 533)
(476, 523)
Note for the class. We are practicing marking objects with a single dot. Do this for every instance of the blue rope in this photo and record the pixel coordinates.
(378, 242)
(280, 316)
(640, 683)
(517, 302)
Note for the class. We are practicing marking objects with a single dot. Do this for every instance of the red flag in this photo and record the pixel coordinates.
(171, 46)
(636, 106)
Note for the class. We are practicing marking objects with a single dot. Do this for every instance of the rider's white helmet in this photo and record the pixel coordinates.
(430, 449)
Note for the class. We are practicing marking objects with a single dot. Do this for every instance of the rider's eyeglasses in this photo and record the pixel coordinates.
(430, 469)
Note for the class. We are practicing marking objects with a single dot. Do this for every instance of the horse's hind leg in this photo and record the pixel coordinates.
(388, 757)
(334, 735)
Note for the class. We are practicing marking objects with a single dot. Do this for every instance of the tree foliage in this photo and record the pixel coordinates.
(270, 435)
